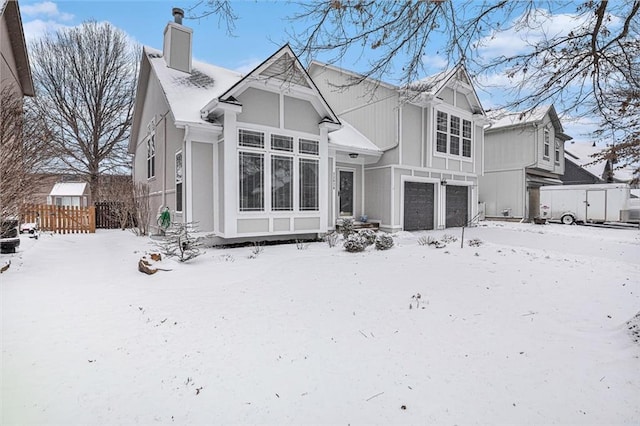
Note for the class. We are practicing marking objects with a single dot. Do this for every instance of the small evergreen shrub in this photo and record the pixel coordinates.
(384, 242)
(346, 228)
(354, 243)
(369, 236)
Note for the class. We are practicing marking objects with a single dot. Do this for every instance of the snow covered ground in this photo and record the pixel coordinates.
(529, 328)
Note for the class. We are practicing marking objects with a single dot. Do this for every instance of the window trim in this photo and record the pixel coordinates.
(546, 141)
(438, 133)
(151, 156)
(269, 153)
(179, 177)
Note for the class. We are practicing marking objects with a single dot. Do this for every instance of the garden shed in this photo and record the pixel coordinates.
(74, 194)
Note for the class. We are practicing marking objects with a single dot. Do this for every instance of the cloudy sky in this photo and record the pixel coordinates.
(261, 28)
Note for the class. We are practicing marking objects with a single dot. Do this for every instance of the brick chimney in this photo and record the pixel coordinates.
(177, 43)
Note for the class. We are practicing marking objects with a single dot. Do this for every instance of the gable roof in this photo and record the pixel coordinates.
(285, 67)
(11, 13)
(192, 96)
(581, 154)
(502, 119)
(69, 189)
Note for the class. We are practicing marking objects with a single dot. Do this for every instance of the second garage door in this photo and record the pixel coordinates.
(418, 206)
(457, 206)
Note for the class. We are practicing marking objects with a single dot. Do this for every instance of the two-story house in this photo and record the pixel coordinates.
(430, 140)
(523, 151)
(245, 156)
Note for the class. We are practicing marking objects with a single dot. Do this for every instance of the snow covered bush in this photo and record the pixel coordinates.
(346, 228)
(354, 243)
(369, 236)
(178, 242)
(475, 242)
(384, 242)
(448, 238)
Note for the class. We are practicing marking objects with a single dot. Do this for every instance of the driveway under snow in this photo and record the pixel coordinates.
(530, 327)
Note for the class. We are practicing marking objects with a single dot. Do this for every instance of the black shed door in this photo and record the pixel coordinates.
(457, 206)
(418, 206)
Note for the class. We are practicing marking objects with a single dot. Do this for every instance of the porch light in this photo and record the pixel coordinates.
(443, 182)
(353, 155)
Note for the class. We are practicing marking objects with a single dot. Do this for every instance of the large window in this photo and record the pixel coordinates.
(281, 175)
(251, 181)
(151, 156)
(179, 181)
(453, 135)
(308, 184)
(277, 170)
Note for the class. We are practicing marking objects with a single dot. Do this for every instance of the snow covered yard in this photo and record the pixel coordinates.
(529, 327)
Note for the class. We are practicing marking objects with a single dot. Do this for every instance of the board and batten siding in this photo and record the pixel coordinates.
(502, 191)
(377, 201)
(202, 178)
(301, 116)
(260, 107)
(412, 137)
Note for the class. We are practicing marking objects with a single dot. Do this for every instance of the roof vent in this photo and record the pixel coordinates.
(178, 14)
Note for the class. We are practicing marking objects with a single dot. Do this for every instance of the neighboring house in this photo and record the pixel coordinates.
(243, 156)
(427, 154)
(14, 62)
(70, 194)
(580, 167)
(523, 151)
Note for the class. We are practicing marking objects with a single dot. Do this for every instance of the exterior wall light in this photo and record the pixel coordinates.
(353, 155)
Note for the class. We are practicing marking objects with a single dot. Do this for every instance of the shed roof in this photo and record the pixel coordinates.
(69, 189)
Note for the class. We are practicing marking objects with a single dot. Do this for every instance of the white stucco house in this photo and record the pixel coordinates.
(244, 156)
(523, 151)
(429, 139)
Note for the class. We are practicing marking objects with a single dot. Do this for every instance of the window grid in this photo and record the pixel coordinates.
(453, 135)
(179, 181)
(308, 146)
(282, 143)
(251, 139)
(546, 143)
(151, 156)
(251, 181)
(309, 184)
(281, 183)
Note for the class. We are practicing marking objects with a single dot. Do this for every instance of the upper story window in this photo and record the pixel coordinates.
(546, 144)
(151, 156)
(557, 151)
(453, 135)
(282, 143)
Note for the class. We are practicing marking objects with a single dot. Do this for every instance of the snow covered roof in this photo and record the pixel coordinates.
(69, 189)
(501, 118)
(187, 93)
(504, 118)
(349, 139)
(580, 153)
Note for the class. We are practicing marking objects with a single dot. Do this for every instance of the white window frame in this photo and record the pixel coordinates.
(151, 156)
(449, 136)
(557, 151)
(270, 150)
(179, 178)
(546, 147)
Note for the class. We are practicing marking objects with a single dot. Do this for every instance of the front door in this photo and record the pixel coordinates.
(345, 193)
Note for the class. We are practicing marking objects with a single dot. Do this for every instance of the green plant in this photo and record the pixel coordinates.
(347, 227)
(354, 243)
(369, 236)
(384, 242)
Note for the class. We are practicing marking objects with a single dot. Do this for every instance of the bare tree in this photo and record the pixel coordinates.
(577, 66)
(86, 81)
(142, 208)
(24, 150)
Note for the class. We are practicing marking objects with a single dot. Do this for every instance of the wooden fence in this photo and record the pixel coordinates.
(61, 219)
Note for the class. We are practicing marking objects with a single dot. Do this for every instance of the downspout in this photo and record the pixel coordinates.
(164, 165)
(186, 173)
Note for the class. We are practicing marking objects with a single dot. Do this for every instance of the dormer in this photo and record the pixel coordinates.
(177, 43)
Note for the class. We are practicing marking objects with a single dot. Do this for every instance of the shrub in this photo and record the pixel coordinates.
(354, 243)
(448, 238)
(369, 236)
(384, 242)
(331, 238)
(475, 242)
(346, 228)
